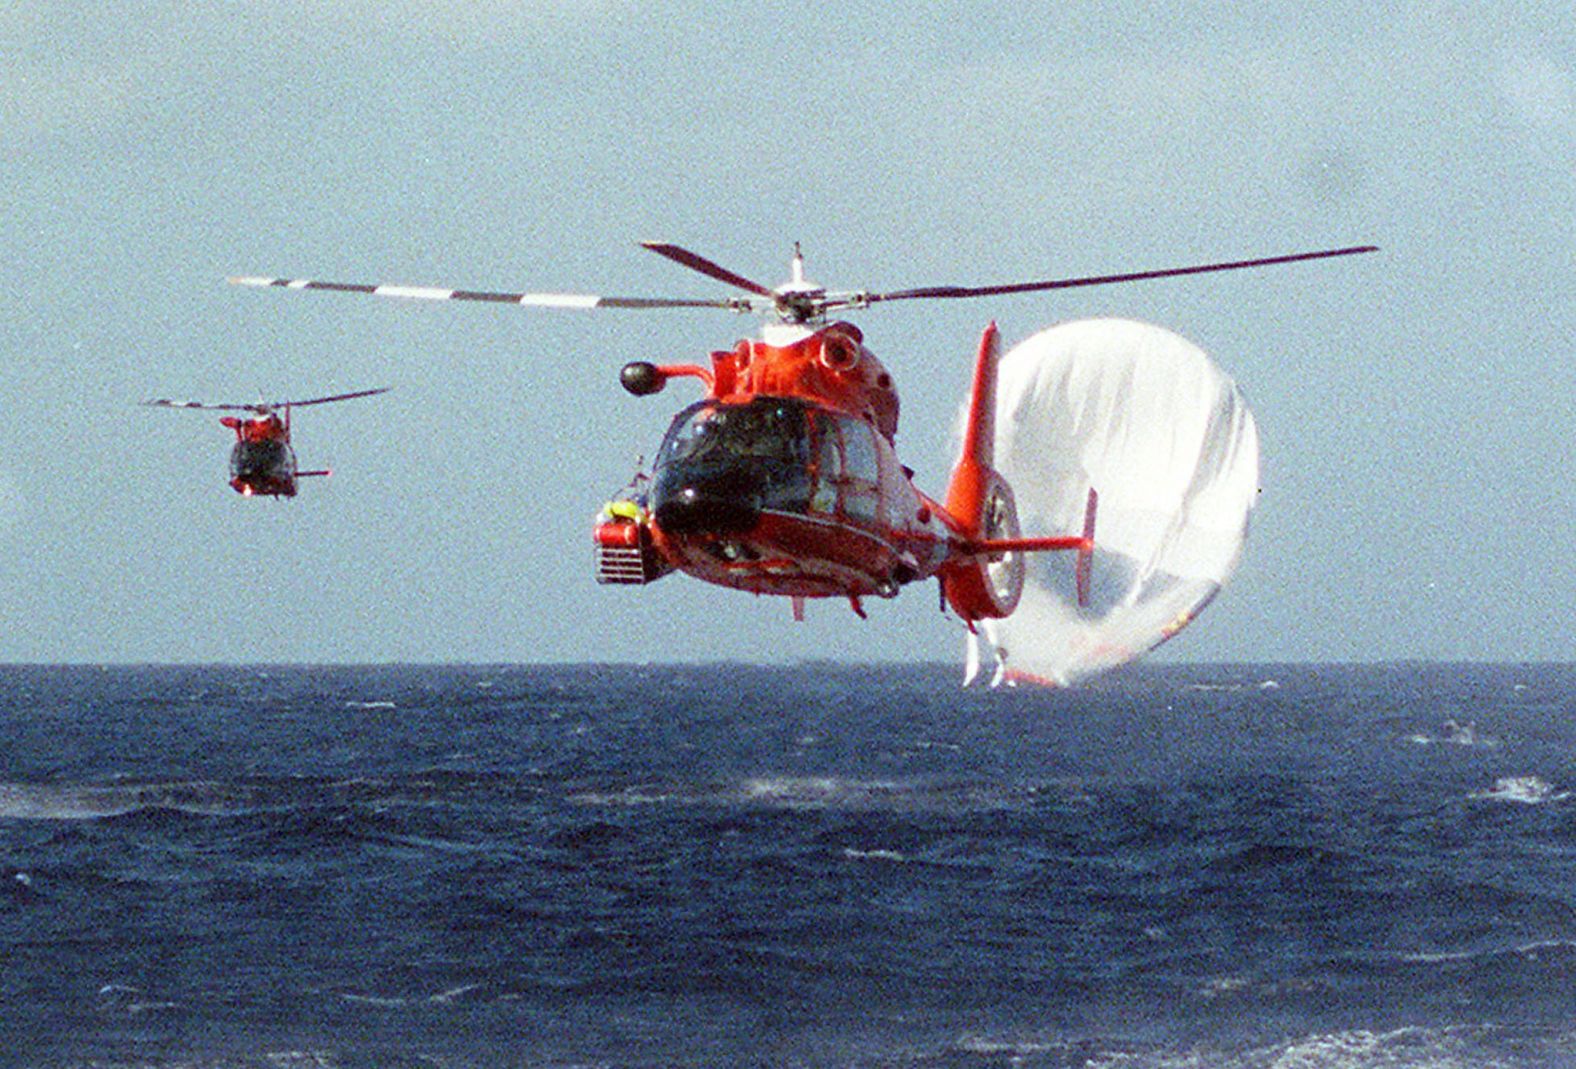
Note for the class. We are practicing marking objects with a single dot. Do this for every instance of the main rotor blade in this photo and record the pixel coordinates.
(262, 407)
(165, 402)
(1101, 280)
(433, 293)
(336, 397)
(696, 262)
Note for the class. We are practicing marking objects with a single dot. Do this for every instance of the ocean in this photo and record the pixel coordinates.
(1293, 866)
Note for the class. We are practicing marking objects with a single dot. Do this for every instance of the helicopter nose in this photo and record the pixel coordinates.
(699, 510)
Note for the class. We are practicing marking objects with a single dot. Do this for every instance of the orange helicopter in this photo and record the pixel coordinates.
(262, 463)
(784, 478)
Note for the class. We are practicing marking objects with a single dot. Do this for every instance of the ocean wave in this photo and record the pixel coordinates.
(1469, 1047)
(834, 793)
(1224, 988)
(1529, 951)
(1476, 1046)
(44, 801)
(250, 796)
(117, 998)
(818, 791)
(1525, 790)
(253, 795)
(1231, 688)
(1455, 733)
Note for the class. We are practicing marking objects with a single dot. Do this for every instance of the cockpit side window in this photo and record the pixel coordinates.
(828, 464)
(860, 459)
(861, 481)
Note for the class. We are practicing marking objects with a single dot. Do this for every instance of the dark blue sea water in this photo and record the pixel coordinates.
(1256, 866)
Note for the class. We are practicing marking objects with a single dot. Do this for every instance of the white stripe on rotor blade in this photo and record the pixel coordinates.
(423, 293)
(560, 300)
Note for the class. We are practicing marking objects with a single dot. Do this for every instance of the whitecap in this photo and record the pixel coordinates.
(855, 854)
(1525, 950)
(386, 1001)
(629, 797)
(131, 1000)
(24, 801)
(80, 801)
(1455, 733)
(793, 790)
(301, 1059)
(1438, 957)
(1527, 790)
(1421, 1047)
(1223, 985)
(818, 791)
(1013, 1049)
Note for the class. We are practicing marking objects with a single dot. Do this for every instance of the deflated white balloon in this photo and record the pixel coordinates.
(1146, 419)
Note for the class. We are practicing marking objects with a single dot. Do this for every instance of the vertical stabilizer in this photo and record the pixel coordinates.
(982, 583)
(972, 478)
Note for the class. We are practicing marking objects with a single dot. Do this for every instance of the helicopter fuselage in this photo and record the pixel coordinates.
(262, 464)
(778, 495)
(785, 480)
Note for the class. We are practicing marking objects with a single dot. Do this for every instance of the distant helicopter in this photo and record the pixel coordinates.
(262, 464)
(784, 478)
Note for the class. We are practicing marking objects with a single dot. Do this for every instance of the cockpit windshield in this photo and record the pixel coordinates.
(759, 450)
(267, 458)
(768, 428)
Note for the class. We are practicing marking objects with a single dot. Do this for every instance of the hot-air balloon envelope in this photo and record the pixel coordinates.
(1144, 418)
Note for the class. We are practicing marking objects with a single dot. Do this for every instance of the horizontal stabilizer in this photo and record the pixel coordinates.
(1083, 544)
(1027, 545)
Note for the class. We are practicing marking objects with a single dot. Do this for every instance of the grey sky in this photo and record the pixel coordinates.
(1415, 406)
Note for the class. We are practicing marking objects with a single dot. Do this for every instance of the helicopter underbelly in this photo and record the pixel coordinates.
(264, 486)
(796, 555)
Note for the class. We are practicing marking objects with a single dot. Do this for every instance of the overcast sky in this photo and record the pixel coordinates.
(1415, 406)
